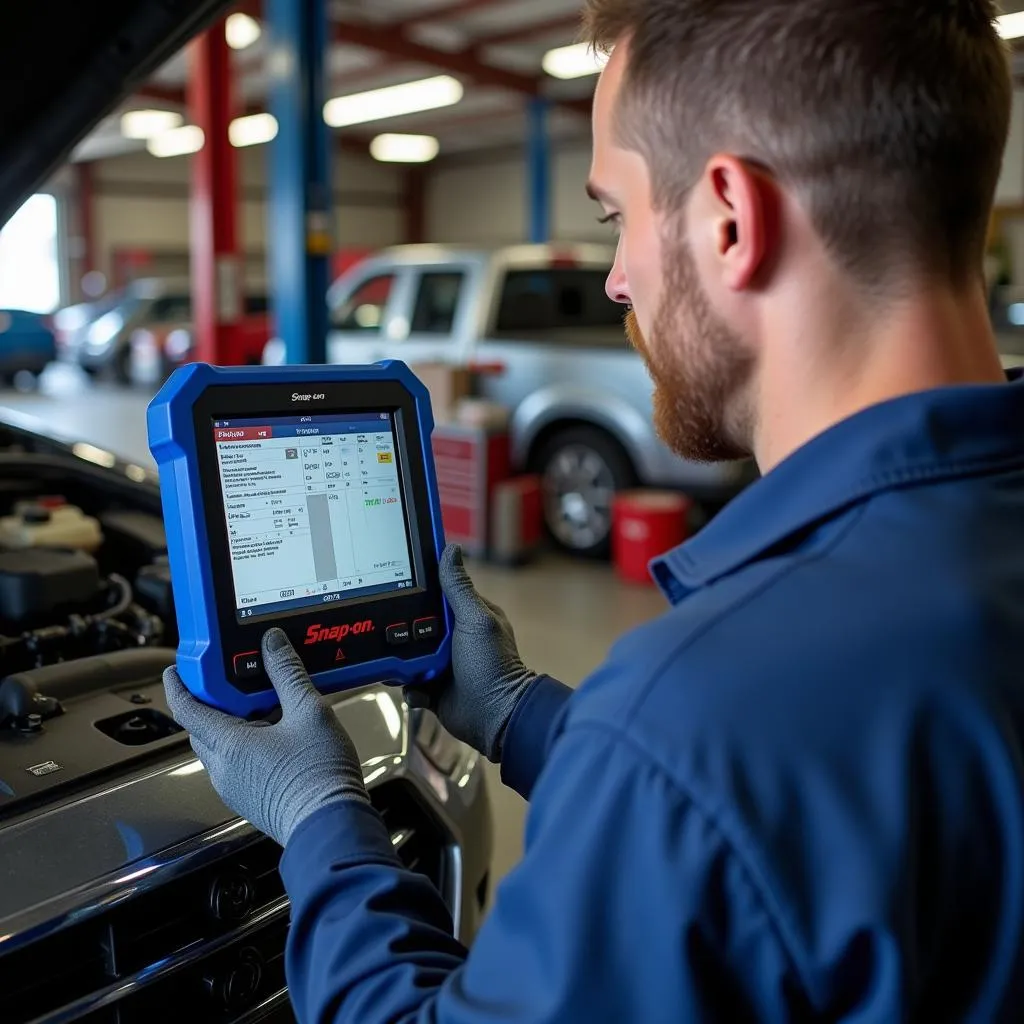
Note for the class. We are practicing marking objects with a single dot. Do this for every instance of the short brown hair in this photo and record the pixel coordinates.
(888, 117)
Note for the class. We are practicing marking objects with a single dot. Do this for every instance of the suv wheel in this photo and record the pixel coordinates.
(123, 365)
(582, 468)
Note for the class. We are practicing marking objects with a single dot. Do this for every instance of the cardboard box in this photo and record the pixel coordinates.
(517, 520)
(447, 386)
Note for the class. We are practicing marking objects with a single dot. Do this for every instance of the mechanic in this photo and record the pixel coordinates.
(798, 795)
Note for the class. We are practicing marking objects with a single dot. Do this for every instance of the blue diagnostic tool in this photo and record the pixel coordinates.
(301, 497)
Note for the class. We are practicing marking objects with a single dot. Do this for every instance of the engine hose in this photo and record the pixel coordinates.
(36, 641)
(123, 602)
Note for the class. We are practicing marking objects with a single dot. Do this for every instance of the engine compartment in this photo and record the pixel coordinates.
(133, 893)
(86, 624)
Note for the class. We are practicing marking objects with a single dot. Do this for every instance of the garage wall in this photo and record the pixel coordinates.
(483, 200)
(142, 203)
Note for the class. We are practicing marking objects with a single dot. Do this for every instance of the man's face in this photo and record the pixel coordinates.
(698, 365)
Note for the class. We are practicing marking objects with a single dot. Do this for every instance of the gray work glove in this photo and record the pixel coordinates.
(488, 678)
(274, 776)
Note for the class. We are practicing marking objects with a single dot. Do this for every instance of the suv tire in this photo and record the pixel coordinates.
(581, 469)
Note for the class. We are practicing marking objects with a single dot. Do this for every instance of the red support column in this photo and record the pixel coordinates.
(86, 219)
(216, 267)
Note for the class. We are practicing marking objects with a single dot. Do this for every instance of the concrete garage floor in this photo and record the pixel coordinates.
(566, 614)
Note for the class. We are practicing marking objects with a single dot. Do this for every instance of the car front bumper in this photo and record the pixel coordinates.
(67, 866)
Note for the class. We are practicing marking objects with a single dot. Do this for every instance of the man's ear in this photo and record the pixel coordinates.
(744, 208)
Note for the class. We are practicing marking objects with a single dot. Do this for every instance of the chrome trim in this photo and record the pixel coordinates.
(105, 894)
(72, 907)
(454, 870)
(401, 838)
(200, 950)
(195, 804)
(444, 798)
(268, 1006)
(194, 954)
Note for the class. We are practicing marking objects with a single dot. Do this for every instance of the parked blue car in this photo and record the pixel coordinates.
(26, 343)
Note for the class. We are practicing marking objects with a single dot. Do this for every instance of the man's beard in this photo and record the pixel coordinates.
(700, 369)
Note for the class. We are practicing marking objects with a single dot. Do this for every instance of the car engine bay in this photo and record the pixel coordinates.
(132, 894)
(86, 625)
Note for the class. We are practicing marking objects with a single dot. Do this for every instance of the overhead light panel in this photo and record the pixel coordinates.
(393, 101)
(574, 61)
(1011, 26)
(188, 138)
(144, 124)
(241, 31)
(404, 149)
(252, 130)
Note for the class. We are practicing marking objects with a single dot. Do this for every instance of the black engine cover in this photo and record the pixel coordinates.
(39, 581)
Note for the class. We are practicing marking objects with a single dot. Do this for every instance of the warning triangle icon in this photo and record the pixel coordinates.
(340, 656)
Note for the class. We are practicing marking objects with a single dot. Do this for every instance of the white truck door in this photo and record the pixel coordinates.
(440, 330)
(371, 317)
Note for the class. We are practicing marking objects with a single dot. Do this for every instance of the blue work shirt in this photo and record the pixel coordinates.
(795, 796)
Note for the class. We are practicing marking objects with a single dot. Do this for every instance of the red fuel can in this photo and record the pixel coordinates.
(646, 524)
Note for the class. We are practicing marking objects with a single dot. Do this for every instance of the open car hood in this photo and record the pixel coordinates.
(67, 64)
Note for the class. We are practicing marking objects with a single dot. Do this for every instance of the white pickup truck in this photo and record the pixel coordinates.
(537, 319)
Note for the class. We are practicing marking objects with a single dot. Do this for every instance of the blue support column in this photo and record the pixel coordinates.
(300, 215)
(538, 165)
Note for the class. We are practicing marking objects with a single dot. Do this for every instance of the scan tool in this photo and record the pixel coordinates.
(303, 498)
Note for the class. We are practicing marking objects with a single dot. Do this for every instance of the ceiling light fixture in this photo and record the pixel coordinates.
(181, 141)
(252, 130)
(241, 31)
(393, 101)
(574, 61)
(1011, 26)
(404, 149)
(144, 124)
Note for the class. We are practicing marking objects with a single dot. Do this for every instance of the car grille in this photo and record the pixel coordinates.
(207, 946)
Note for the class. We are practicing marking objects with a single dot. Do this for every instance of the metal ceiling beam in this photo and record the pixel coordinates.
(449, 11)
(395, 44)
(461, 62)
(443, 124)
(357, 76)
(528, 32)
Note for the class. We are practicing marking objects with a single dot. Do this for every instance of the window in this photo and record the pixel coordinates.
(364, 311)
(29, 268)
(171, 309)
(437, 302)
(546, 300)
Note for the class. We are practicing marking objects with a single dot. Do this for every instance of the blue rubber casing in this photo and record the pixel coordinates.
(172, 440)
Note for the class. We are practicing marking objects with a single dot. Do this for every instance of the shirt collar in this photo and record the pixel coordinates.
(933, 435)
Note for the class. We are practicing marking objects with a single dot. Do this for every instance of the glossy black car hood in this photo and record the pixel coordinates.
(66, 64)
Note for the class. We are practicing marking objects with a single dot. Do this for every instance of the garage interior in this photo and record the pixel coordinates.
(218, 195)
(512, 158)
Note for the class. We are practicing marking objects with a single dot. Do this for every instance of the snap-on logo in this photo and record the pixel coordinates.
(318, 634)
(296, 397)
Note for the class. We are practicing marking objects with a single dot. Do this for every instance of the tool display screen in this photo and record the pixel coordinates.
(315, 510)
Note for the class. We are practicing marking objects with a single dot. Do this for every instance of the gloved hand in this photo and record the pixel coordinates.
(275, 776)
(488, 677)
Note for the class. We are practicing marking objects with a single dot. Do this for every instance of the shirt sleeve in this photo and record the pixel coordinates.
(530, 730)
(628, 905)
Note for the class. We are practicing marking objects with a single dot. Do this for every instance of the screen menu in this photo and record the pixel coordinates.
(314, 509)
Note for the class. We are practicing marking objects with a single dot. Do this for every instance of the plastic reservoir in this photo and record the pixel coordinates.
(38, 526)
